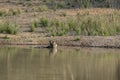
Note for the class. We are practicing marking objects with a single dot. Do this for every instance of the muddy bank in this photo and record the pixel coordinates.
(76, 41)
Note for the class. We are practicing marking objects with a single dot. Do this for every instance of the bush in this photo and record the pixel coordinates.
(35, 24)
(2, 13)
(9, 28)
(61, 5)
(32, 28)
(29, 3)
(90, 26)
(58, 28)
(44, 22)
(44, 0)
(82, 24)
(13, 12)
(43, 8)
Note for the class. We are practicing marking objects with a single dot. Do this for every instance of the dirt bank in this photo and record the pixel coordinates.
(79, 41)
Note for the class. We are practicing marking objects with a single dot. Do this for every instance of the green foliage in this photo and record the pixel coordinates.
(26, 11)
(100, 0)
(61, 5)
(44, 0)
(89, 27)
(28, 0)
(9, 28)
(56, 4)
(43, 8)
(44, 22)
(13, 12)
(85, 24)
(32, 28)
(86, 4)
(36, 24)
(57, 28)
(2, 13)
(29, 3)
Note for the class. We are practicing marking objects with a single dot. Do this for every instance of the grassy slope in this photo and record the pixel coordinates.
(30, 13)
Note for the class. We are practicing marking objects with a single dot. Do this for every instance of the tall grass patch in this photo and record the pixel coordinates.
(86, 24)
(13, 12)
(42, 8)
(57, 27)
(8, 28)
(44, 22)
(32, 28)
(2, 13)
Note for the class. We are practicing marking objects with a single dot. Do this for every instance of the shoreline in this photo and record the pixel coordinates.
(72, 41)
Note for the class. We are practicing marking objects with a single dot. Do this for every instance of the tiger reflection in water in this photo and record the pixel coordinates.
(53, 48)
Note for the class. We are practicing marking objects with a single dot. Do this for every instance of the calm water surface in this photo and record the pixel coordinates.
(64, 64)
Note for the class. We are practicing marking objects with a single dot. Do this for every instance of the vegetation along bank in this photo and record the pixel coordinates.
(88, 23)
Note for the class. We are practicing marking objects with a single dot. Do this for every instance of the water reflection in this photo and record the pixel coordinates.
(118, 71)
(63, 64)
(52, 52)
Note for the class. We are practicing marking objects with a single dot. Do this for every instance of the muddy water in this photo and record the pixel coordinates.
(62, 64)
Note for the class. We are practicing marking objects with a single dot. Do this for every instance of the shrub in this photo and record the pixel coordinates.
(58, 28)
(26, 10)
(29, 4)
(13, 12)
(87, 26)
(43, 8)
(44, 22)
(57, 5)
(44, 0)
(9, 28)
(2, 13)
(32, 28)
(61, 5)
(35, 24)
(54, 7)
(83, 24)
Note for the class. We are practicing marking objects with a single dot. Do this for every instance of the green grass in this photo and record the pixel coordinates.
(82, 24)
(42, 8)
(11, 12)
(89, 25)
(35, 24)
(32, 28)
(8, 28)
(2, 13)
(44, 22)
